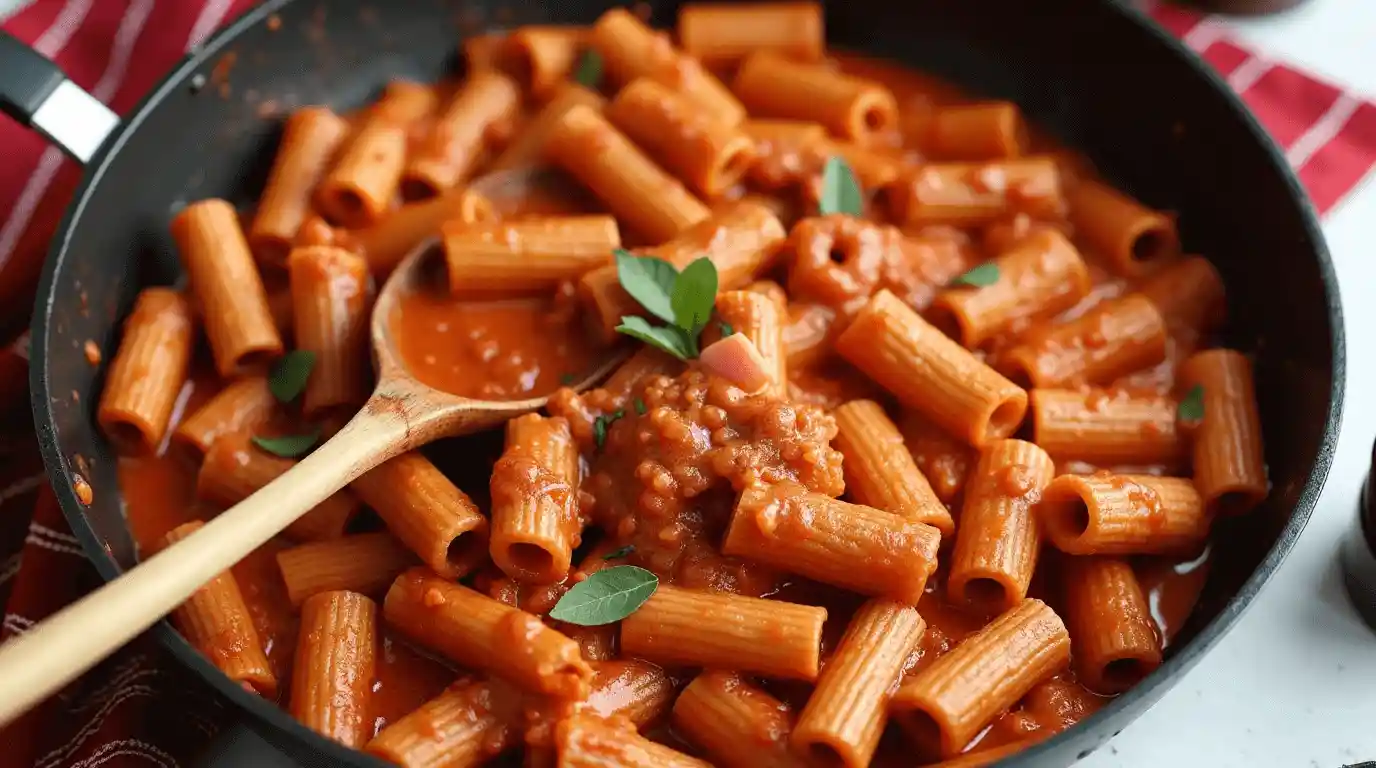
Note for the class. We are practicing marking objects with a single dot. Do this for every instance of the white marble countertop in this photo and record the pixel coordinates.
(1291, 685)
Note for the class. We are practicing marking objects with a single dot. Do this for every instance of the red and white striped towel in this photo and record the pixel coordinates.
(1328, 134)
(138, 708)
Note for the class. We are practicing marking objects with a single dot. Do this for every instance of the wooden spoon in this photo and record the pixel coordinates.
(402, 414)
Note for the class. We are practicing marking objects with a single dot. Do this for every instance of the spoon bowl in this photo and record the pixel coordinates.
(402, 414)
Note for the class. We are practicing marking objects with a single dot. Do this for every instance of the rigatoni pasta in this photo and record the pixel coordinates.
(427, 513)
(879, 470)
(949, 702)
(847, 712)
(331, 297)
(850, 107)
(148, 371)
(1229, 459)
(240, 407)
(309, 140)
(1111, 631)
(629, 49)
(511, 258)
(336, 656)
(680, 627)
(999, 536)
(639, 192)
(216, 622)
(472, 629)
(1107, 428)
(722, 34)
(708, 155)
(930, 373)
(847, 287)
(535, 519)
(459, 136)
(847, 545)
(738, 724)
(233, 302)
(1037, 280)
(1105, 514)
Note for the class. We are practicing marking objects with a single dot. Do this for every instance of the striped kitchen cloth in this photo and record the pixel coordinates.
(139, 708)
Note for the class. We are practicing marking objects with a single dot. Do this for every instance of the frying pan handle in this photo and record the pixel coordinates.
(37, 94)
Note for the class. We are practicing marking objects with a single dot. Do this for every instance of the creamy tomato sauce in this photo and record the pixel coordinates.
(663, 481)
(504, 350)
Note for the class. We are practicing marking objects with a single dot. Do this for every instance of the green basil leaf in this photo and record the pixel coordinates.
(1192, 407)
(640, 406)
(982, 276)
(606, 596)
(620, 553)
(589, 72)
(289, 446)
(601, 424)
(726, 329)
(289, 375)
(840, 191)
(650, 281)
(695, 291)
(669, 339)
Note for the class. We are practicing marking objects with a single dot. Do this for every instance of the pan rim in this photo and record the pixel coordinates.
(269, 714)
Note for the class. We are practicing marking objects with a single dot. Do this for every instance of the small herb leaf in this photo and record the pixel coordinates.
(840, 191)
(726, 329)
(620, 553)
(640, 406)
(984, 275)
(606, 596)
(669, 339)
(1192, 407)
(695, 291)
(650, 281)
(289, 375)
(567, 379)
(288, 446)
(589, 73)
(601, 424)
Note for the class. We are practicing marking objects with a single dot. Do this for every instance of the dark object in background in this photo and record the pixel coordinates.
(1246, 7)
(1359, 553)
(1100, 78)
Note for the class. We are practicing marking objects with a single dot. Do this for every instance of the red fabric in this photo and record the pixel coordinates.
(140, 709)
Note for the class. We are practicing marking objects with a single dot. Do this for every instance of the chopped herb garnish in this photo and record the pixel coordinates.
(726, 329)
(601, 424)
(665, 337)
(1192, 407)
(695, 291)
(620, 553)
(567, 379)
(640, 406)
(606, 596)
(289, 375)
(684, 300)
(649, 281)
(589, 72)
(840, 191)
(288, 446)
(982, 276)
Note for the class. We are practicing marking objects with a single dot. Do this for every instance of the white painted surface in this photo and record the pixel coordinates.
(1294, 684)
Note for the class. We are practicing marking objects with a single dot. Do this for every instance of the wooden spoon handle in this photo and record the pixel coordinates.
(38, 663)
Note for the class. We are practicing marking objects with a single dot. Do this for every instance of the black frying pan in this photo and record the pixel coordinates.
(1156, 121)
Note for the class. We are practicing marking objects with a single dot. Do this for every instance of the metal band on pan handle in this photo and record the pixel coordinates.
(37, 94)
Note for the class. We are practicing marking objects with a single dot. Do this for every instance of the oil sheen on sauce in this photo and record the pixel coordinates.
(527, 348)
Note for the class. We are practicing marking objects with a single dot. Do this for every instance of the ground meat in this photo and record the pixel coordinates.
(666, 480)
